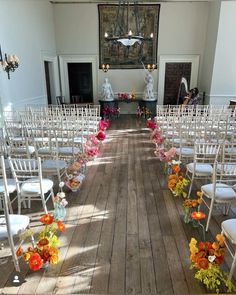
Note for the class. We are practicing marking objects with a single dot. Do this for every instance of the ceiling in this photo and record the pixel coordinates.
(116, 1)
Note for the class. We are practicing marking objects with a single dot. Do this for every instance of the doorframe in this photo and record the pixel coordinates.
(194, 59)
(51, 57)
(63, 64)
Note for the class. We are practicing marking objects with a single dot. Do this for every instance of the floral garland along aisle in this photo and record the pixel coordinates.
(44, 250)
(75, 173)
(205, 257)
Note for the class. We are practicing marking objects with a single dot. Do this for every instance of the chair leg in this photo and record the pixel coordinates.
(232, 267)
(190, 186)
(209, 215)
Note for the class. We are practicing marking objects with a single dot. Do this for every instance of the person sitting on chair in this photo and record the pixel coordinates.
(192, 98)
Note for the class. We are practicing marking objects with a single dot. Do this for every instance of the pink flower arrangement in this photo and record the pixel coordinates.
(92, 140)
(164, 155)
(123, 95)
(151, 124)
(156, 137)
(100, 135)
(91, 151)
(110, 110)
(103, 124)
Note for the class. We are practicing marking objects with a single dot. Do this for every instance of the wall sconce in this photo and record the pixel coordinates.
(105, 67)
(9, 63)
(151, 68)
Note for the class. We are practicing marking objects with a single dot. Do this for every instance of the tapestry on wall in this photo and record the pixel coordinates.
(140, 19)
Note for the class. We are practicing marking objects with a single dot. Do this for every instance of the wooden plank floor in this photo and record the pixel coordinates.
(124, 229)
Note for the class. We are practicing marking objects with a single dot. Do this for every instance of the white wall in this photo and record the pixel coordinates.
(27, 30)
(182, 30)
(223, 86)
(210, 46)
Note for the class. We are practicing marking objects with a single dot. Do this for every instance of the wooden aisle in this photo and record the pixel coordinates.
(124, 229)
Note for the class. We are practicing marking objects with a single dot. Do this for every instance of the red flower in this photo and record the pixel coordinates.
(151, 124)
(175, 169)
(19, 251)
(46, 219)
(197, 215)
(100, 135)
(35, 262)
(42, 242)
(60, 226)
(203, 263)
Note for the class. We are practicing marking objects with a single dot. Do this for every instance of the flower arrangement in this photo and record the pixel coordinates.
(107, 111)
(103, 124)
(45, 251)
(165, 155)
(151, 124)
(60, 203)
(156, 137)
(124, 95)
(206, 258)
(176, 182)
(189, 205)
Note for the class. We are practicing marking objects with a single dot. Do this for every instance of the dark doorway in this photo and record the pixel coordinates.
(47, 77)
(80, 82)
(173, 74)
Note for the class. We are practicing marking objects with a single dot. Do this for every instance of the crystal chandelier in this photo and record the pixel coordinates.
(122, 31)
(9, 63)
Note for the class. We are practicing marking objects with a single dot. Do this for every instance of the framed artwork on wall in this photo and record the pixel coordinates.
(136, 22)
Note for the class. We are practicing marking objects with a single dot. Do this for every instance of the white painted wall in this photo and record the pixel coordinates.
(182, 30)
(27, 30)
(223, 86)
(209, 50)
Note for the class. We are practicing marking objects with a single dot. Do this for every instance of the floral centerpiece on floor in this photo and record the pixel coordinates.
(176, 181)
(206, 258)
(189, 205)
(45, 250)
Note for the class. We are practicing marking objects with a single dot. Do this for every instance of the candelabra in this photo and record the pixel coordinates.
(105, 67)
(151, 68)
(9, 63)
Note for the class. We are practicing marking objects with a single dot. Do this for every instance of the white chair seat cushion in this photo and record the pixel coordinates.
(68, 150)
(18, 223)
(187, 151)
(46, 150)
(79, 140)
(201, 169)
(30, 149)
(11, 183)
(223, 191)
(227, 168)
(230, 150)
(52, 165)
(229, 229)
(32, 186)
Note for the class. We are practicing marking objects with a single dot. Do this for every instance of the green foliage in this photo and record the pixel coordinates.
(215, 279)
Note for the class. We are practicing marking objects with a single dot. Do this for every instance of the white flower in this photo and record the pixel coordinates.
(61, 184)
(174, 162)
(70, 176)
(211, 258)
(61, 195)
(64, 202)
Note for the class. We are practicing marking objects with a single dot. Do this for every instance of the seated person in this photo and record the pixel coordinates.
(192, 98)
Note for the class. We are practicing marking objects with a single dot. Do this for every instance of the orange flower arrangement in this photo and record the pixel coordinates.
(203, 253)
(191, 203)
(45, 250)
(206, 258)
